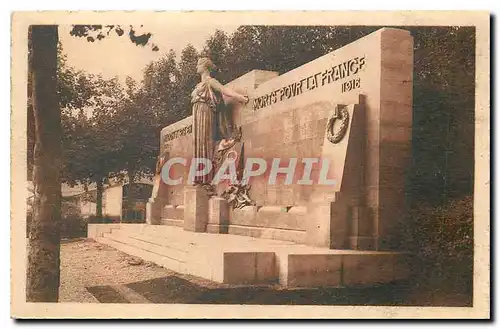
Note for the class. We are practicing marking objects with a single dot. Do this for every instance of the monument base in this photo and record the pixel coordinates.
(327, 224)
(196, 210)
(154, 209)
(237, 259)
(218, 217)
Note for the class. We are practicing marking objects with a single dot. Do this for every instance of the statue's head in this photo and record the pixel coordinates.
(204, 63)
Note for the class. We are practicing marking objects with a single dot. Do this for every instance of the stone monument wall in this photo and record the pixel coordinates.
(287, 117)
(176, 139)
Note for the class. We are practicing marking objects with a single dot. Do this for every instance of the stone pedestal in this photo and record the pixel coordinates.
(327, 223)
(218, 215)
(196, 209)
(361, 229)
(153, 211)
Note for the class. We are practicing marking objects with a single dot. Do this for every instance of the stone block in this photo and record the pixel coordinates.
(261, 76)
(172, 222)
(196, 209)
(304, 194)
(218, 219)
(313, 270)
(98, 230)
(398, 72)
(173, 212)
(266, 270)
(395, 110)
(363, 243)
(284, 235)
(244, 230)
(367, 269)
(205, 264)
(262, 127)
(244, 216)
(249, 267)
(270, 217)
(361, 221)
(219, 229)
(319, 127)
(327, 224)
(285, 197)
(288, 134)
(92, 232)
(372, 195)
(272, 194)
(269, 233)
(393, 177)
(396, 154)
(276, 126)
(305, 148)
(395, 133)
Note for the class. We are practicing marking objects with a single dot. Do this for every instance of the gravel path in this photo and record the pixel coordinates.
(86, 263)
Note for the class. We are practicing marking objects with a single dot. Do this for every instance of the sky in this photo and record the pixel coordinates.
(118, 56)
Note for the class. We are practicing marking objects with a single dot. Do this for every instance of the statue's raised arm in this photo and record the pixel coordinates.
(216, 85)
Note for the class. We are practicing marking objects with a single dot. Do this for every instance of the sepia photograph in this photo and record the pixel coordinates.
(320, 164)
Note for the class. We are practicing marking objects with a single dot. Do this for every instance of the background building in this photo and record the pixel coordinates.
(114, 200)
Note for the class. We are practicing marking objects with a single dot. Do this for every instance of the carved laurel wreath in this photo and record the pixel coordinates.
(341, 114)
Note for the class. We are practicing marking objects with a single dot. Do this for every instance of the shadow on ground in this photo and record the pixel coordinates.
(173, 289)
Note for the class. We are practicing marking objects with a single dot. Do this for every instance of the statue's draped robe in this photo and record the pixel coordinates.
(211, 123)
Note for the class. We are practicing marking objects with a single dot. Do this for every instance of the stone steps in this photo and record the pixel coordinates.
(192, 253)
(157, 236)
(238, 259)
(151, 244)
(121, 245)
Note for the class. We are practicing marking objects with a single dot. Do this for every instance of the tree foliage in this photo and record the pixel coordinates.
(90, 139)
(443, 113)
(442, 240)
(98, 32)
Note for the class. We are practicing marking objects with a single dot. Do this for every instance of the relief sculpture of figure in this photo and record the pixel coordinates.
(162, 158)
(212, 127)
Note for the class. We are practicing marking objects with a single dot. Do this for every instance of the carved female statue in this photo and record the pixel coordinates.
(206, 98)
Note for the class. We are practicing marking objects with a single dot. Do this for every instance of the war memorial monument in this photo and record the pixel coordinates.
(324, 149)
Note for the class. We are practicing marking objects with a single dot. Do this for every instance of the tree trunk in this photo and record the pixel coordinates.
(98, 207)
(42, 280)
